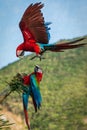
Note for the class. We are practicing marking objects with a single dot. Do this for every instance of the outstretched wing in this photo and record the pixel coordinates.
(33, 26)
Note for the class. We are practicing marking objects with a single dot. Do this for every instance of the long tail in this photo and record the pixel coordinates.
(25, 106)
(63, 46)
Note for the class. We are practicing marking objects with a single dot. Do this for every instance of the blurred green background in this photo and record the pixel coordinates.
(63, 89)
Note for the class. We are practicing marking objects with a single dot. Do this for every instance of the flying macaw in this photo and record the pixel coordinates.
(36, 34)
(32, 81)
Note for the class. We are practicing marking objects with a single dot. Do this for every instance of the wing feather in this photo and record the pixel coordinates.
(33, 21)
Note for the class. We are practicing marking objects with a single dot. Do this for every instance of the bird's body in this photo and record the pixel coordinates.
(32, 82)
(30, 47)
(36, 34)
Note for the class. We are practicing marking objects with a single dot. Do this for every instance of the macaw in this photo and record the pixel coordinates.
(32, 82)
(36, 34)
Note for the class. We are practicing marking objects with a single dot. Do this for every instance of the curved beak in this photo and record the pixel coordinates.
(20, 53)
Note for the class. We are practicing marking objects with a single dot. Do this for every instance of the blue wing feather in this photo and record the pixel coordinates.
(47, 29)
(35, 91)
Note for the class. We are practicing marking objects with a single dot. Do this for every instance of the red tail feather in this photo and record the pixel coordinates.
(27, 119)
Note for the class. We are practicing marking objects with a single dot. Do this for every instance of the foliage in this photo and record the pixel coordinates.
(16, 84)
(4, 123)
(63, 88)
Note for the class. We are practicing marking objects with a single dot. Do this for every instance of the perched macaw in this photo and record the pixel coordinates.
(36, 34)
(32, 81)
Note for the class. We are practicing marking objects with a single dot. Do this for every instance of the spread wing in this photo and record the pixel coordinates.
(33, 26)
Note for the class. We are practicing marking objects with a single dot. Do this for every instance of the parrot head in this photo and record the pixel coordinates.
(20, 51)
(38, 69)
(39, 73)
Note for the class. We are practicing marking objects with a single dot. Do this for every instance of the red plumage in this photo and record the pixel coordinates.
(36, 33)
(32, 83)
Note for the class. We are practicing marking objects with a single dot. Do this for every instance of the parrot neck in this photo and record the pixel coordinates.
(39, 76)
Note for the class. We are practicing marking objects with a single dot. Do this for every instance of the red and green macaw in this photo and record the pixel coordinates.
(32, 81)
(36, 34)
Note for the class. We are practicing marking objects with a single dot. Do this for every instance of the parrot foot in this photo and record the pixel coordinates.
(38, 56)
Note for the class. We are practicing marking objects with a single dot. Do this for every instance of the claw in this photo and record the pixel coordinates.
(38, 56)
